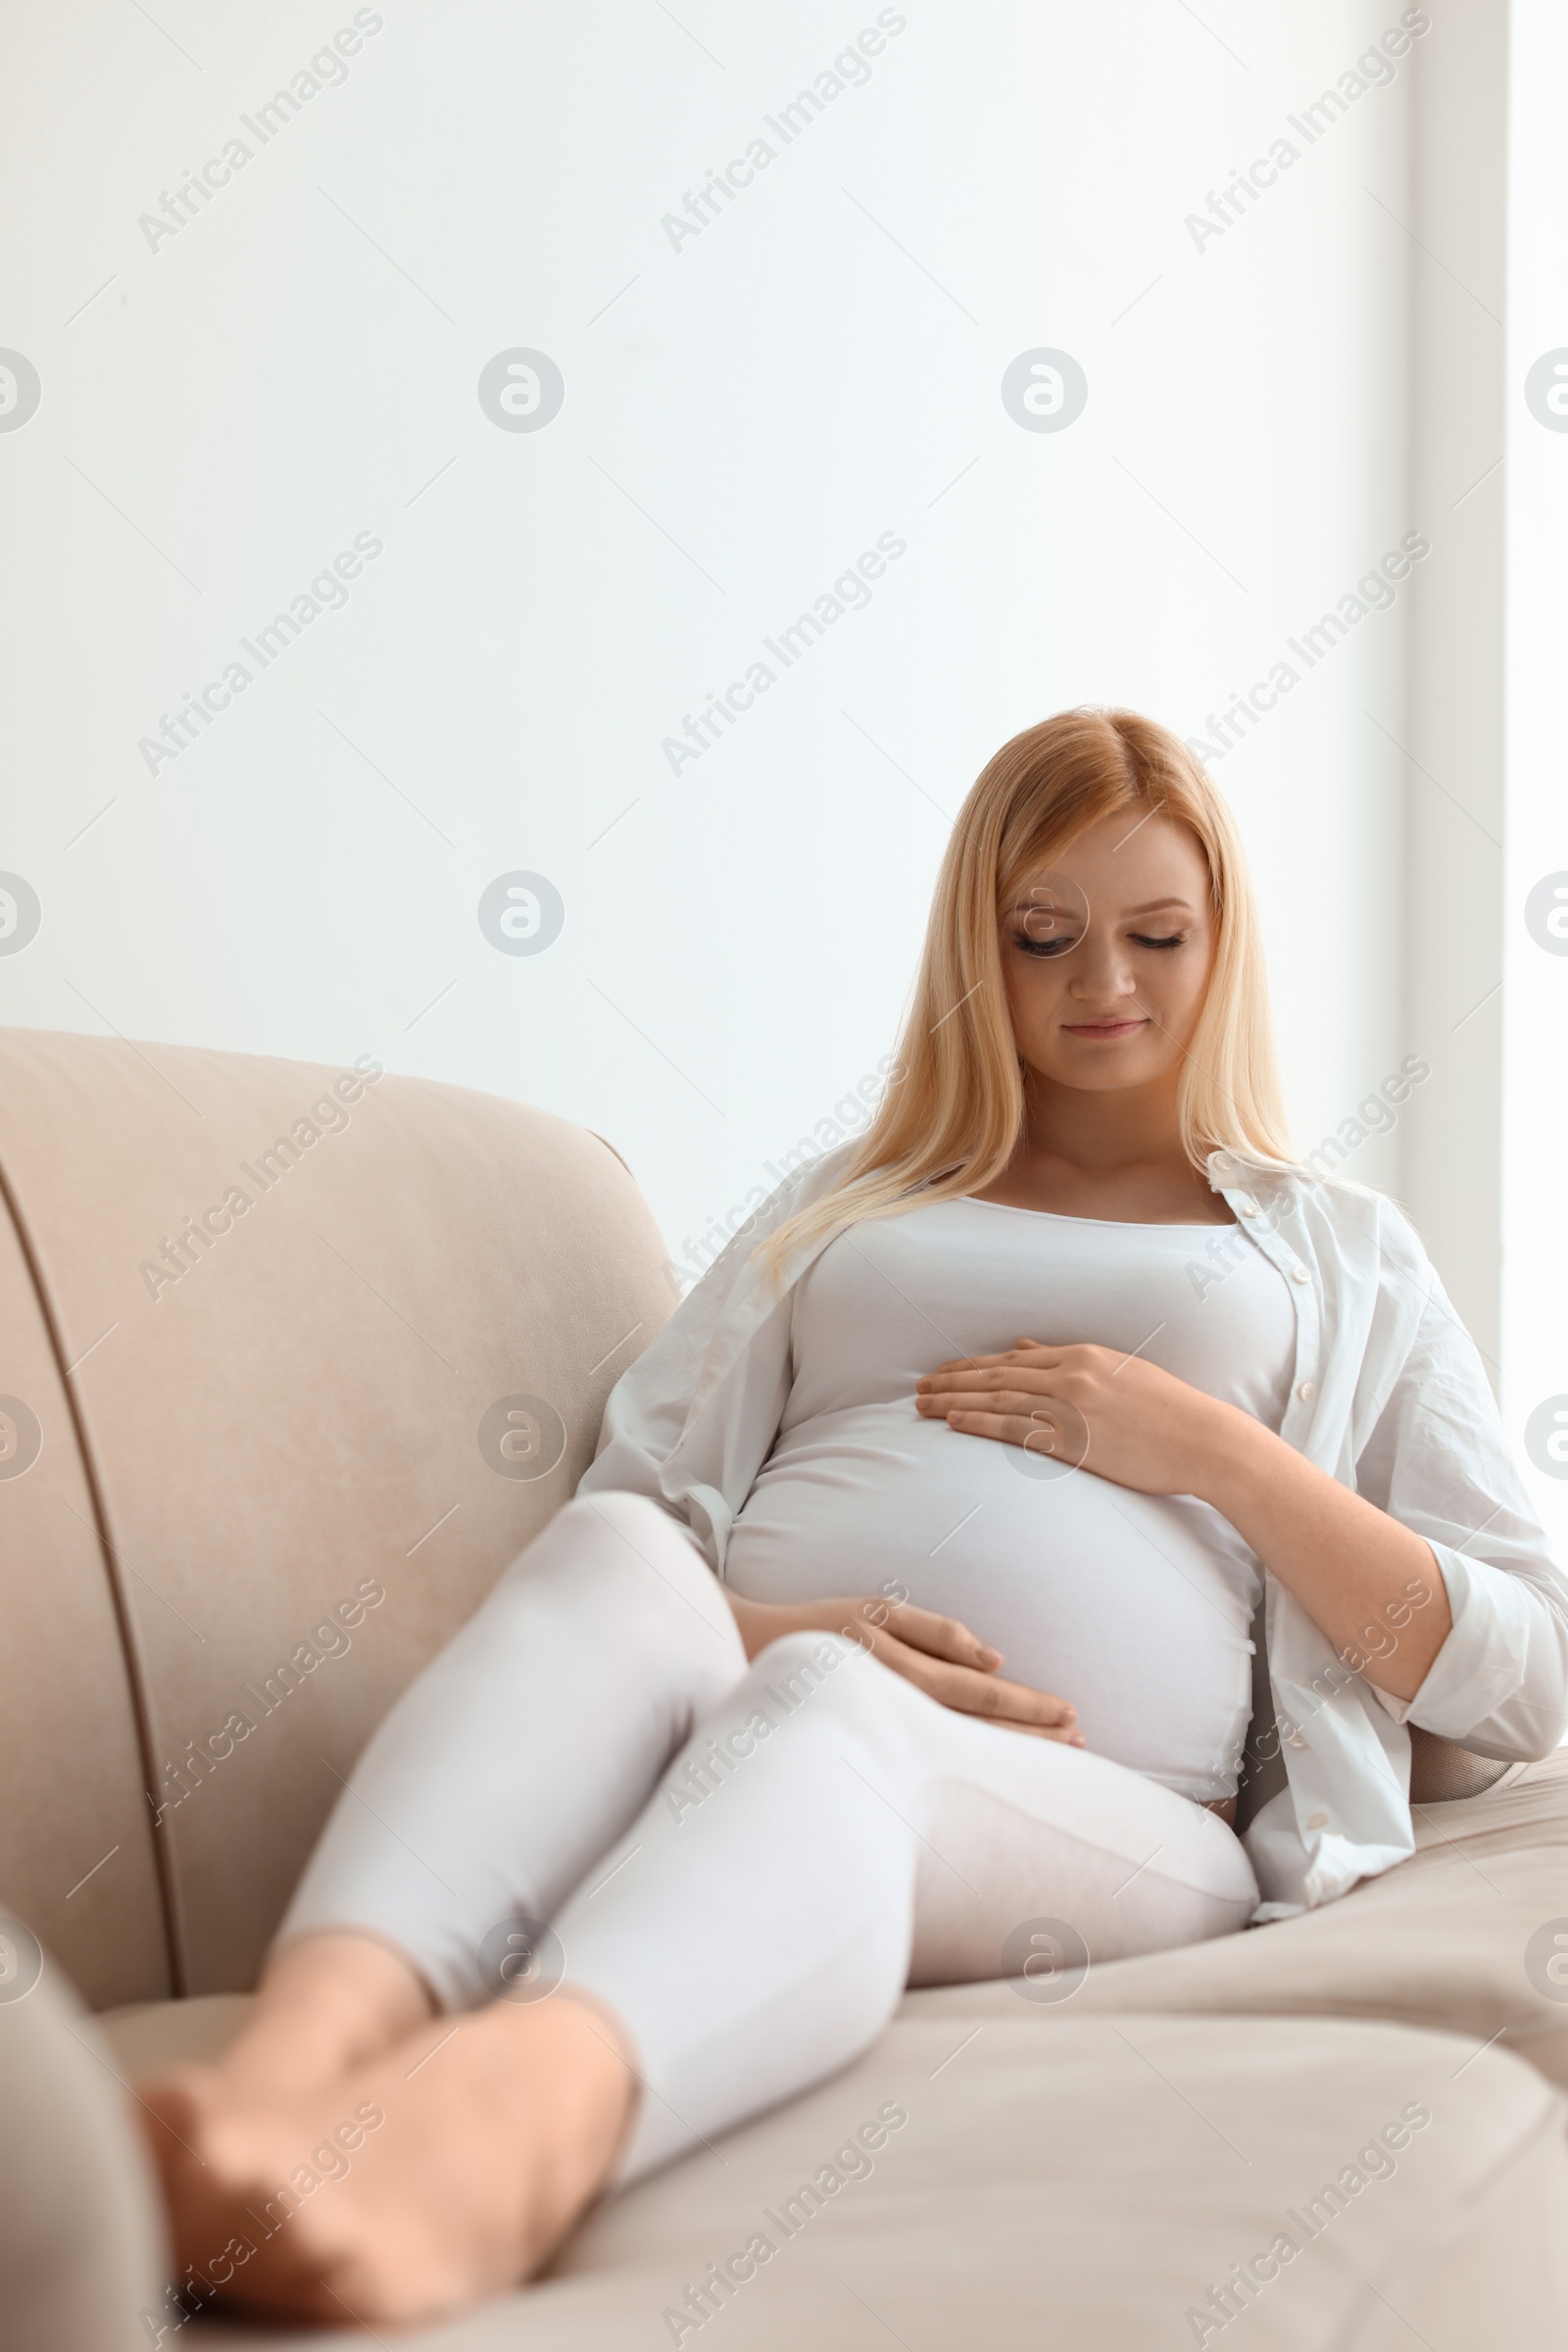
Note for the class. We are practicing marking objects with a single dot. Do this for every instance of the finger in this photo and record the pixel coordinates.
(870, 1610)
(941, 1404)
(1020, 1405)
(1050, 1352)
(1001, 1394)
(938, 1402)
(1009, 1371)
(1018, 1710)
(942, 1637)
(1016, 1702)
(1032, 1433)
(987, 1694)
(973, 1399)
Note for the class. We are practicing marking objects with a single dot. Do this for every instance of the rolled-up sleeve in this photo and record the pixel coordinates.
(1436, 1460)
(695, 1418)
(701, 1471)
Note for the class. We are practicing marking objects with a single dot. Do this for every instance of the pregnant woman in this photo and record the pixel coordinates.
(902, 1632)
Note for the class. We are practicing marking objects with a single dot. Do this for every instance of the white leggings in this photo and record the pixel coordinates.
(746, 1864)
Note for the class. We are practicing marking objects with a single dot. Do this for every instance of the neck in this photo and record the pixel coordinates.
(1100, 1133)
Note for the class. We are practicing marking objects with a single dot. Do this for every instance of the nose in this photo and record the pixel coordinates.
(1101, 970)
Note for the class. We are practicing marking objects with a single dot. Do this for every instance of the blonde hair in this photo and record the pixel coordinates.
(954, 1113)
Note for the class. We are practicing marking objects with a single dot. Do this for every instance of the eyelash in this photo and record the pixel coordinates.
(1058, 947)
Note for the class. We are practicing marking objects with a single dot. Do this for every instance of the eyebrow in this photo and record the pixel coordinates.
(1150, 906)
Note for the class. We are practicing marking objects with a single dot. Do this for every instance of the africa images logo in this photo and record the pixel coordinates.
(1546, 391)
(19, 390)
(522, 390)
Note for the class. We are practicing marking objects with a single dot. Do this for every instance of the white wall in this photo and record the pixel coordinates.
(1536, 951)
(1450, 1168)
(222, 413)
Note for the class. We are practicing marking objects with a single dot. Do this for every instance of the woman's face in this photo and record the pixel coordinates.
(1112, 1000)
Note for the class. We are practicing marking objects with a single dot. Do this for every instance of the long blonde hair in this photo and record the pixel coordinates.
(954, 1113)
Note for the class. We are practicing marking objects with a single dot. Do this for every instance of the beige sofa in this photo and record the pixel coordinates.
(253, 1317)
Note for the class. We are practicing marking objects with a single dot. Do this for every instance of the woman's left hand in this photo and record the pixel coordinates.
(1086, 1407)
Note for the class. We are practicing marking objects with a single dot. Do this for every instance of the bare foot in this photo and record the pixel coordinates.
(448, 2169)
(326, 2004)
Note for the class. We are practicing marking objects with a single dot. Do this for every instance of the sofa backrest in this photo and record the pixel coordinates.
(293, 1360)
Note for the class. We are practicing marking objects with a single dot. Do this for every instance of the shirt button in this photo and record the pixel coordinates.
(1306, 1391)
(1317, 1821)
(1245, 1205)
(1299, 1274)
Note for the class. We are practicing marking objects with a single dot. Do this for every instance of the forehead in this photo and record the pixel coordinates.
(1131, 859)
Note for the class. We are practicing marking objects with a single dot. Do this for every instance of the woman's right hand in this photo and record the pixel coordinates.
(938, 1654)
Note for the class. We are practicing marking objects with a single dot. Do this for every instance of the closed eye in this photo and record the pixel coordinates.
(1142, 939)
(1045, 947)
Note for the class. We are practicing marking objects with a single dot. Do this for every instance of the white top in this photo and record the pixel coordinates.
(1387, 1396)
(1137, 1607)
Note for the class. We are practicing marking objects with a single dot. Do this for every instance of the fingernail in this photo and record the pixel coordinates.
(1077, 1741)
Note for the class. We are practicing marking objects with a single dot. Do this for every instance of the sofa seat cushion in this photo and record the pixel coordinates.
(1459, 1938)
(1080, 2181)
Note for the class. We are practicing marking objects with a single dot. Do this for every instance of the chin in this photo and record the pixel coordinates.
(1101, 1070)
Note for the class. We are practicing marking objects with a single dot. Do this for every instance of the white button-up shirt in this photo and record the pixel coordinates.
(1387, 1396)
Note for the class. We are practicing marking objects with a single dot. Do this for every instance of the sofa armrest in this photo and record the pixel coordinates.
(82, 2255)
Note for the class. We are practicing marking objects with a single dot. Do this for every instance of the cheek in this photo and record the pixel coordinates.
(1177, 991)
(1035, 983)
(1034, 997)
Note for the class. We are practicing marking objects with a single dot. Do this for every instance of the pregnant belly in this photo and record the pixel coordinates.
(1137, 1609)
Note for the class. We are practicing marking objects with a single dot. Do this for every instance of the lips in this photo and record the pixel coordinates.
(1102, 1028)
